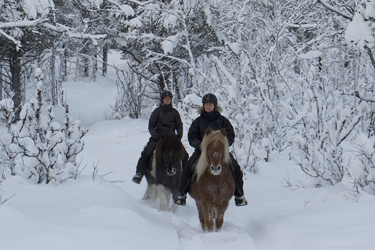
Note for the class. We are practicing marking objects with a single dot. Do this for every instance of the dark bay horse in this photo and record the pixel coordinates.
(163, 177)
(213, 183)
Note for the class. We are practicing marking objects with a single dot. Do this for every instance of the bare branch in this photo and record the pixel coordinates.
(107, 173)
(7, 199)
(349, 129)
(330, 7)
(356, 94)
(369, 52)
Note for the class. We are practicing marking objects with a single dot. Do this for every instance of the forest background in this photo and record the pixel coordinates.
(290, 75)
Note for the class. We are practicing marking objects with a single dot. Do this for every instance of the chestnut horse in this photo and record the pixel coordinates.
(163, 177)
(213, 183)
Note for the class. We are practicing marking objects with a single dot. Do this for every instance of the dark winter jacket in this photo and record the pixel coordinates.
(165, 120)
(215, 121)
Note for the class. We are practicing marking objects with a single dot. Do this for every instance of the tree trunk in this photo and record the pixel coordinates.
(86, 65)
(16, 85)
(64, 64)
(94, 67)
(54, 88)
(1, 81)
(105, 59)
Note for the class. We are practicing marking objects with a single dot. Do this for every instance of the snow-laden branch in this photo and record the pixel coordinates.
(126, 9)
(356, 94)
(306, 26)
(57, 28)
(67, 30)
(82, 35)
(23, 23)
(185, 62)
(141, 3)
(330, 7)
(15, 41)
(232, 80)
(44, 23)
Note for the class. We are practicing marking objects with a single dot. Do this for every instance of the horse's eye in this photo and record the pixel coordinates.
(208, 148)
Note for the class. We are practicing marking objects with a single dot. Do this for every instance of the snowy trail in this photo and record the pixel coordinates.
(121, 161)
(191, 235)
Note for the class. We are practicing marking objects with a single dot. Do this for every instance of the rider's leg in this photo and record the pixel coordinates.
(139, 172)
(186, 179)
(143, 161)
(240, 199)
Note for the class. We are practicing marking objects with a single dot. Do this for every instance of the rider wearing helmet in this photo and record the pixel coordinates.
(164, 120)
(209, 117)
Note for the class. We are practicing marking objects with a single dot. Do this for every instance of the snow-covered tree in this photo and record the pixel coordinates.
(33, 33)
(165, 38)
(40, 148)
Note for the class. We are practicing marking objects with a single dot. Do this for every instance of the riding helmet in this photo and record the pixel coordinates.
(209, 98)
(165, 93)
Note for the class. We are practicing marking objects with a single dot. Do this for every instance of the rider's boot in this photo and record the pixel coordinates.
(180, 200)
(137, 178)
(240, 201)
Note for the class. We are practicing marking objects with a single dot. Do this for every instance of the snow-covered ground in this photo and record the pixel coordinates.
(109, 213)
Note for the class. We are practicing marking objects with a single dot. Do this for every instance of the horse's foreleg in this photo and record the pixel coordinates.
(168, 199)
(220, 215)
(209, 220)
(219, 220)
(201, 216)
(150, 192)
(164, 196)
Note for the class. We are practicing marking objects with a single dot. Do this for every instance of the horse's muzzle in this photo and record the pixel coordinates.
(171, 171)
(215, 170)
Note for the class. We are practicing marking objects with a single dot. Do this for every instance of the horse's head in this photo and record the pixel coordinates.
(169, 154)
(214, 151)
(170, 164)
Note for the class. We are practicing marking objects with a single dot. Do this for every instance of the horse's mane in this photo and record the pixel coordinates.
(169, 144)
(215, 137)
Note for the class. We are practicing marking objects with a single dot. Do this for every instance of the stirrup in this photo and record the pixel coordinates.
(180, 200)
(137, 178)
(240, 201)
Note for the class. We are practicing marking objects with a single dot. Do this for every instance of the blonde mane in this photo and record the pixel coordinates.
(214, 138)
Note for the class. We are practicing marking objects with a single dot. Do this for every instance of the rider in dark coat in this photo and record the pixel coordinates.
(210, 117)
(164, 120)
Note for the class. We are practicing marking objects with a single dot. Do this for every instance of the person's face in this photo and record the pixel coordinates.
(209, 107)
(167, 100)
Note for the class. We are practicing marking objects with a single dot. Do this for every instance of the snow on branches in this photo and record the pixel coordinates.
(360, 31)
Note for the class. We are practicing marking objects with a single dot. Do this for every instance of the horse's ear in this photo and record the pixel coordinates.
(223, 131)
(208, 131)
